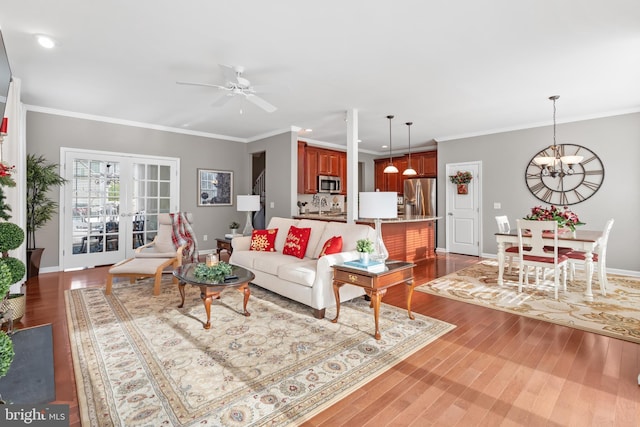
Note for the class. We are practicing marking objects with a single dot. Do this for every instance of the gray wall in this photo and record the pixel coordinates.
(280, 173)
(504, 156)
(46, 133)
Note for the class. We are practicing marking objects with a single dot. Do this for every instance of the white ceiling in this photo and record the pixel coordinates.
(453, 68)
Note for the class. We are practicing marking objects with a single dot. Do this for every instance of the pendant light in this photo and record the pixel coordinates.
(552, 165)
(390, 168)
(409, 171)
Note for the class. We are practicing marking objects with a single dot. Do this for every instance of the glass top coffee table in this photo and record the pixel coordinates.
(210, 290)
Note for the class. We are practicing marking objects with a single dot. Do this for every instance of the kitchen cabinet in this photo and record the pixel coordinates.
(314, 161)
(328, 162)
(310, 170)
(301, 147)
(342, 172)
(425, 164)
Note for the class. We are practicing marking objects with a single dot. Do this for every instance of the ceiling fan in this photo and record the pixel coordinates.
(236, 84)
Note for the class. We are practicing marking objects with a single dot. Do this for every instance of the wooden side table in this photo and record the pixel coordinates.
(374, 284)
(222, 243)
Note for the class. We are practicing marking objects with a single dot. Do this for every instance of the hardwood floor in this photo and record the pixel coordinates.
(495, 368)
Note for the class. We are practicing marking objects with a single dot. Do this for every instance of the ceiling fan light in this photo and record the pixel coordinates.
(390, 169)
(410, 172)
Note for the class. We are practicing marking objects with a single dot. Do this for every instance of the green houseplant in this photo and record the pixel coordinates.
(41, 177)
(11, 237)
(234, 226)
(365, 247)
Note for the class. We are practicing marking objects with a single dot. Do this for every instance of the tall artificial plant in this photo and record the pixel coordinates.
(41, 177)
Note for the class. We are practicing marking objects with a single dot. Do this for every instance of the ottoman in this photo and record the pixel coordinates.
(135, 268)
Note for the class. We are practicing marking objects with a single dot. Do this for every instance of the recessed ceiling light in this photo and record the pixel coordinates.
(385, 146)
(308, 130)
(45, 41)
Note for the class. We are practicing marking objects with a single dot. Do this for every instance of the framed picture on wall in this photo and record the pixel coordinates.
(215, 188)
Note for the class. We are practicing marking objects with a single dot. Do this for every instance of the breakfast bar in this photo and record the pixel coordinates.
(411, 238)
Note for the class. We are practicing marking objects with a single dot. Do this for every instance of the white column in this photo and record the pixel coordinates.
(352, 165)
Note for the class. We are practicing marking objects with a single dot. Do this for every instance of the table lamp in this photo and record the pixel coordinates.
(248, 204)
(378, 205)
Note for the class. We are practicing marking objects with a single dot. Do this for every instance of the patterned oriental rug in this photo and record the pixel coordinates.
(139, 360)
(617, 315)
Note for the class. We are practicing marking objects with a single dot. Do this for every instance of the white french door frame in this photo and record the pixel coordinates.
(125, 217)
(451, 169)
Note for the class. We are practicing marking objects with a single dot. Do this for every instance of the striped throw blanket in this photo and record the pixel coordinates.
(183, 235)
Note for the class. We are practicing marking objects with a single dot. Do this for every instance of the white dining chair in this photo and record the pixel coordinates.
(541, 254)
(510, 250)
(599, 258)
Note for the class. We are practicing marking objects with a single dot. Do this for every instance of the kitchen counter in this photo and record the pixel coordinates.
(410, 239)
(343, 218)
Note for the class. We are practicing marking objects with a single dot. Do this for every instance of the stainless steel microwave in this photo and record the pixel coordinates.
(329, 184)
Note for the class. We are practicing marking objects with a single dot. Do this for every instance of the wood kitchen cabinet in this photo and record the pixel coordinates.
(342, 172)
(328, 162)
(425, 164)
(310, 170)
(314, 161)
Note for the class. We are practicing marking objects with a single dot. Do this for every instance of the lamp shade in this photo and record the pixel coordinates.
(248, 203)
(378, 204)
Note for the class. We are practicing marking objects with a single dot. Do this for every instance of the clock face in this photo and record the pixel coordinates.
(564, 184)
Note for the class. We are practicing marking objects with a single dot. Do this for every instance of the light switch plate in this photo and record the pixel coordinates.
(272, 205)
(497, 205)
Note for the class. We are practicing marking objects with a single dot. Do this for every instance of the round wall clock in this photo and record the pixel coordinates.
(559, 183)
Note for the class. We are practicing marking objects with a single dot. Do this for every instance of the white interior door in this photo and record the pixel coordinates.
(463, 211)
(111, 204)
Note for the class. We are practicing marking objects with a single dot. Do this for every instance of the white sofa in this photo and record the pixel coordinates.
(308, 280)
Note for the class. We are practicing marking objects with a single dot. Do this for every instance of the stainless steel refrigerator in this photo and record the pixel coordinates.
(420, 197)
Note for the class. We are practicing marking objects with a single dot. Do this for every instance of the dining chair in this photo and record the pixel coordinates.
(599, 258)
(510, 250)
(541, 254)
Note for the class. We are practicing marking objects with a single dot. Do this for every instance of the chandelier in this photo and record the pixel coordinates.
(553, 165)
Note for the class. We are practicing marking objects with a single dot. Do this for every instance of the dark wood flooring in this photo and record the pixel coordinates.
(494, 369)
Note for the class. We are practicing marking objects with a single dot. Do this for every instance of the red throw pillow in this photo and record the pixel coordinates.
(332, 246)
(297, 241)
(263, 240)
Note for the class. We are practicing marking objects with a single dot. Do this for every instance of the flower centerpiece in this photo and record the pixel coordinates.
(216, 272)
(564, 217)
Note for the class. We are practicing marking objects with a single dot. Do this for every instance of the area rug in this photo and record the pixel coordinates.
(30, 379)
(616, 315)
(140, 360)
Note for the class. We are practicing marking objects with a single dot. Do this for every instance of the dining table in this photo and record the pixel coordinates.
(580, 240)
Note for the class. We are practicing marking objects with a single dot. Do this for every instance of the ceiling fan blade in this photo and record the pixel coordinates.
(202, 84)
(260, 103)
(222, 100)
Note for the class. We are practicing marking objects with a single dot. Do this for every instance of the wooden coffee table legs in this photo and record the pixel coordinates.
(210, 292)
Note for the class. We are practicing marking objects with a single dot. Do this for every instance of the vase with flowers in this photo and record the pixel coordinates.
(461, 179)
(564, 217)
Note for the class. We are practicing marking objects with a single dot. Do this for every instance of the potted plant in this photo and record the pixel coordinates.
(41, 177)
(11, 237)
(6, 345)
(365, 247)
(234, 226)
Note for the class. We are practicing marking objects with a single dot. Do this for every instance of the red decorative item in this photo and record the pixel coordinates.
(297, 241)
(263, 240)
(5, 125)
(332, 246)
(463, 189)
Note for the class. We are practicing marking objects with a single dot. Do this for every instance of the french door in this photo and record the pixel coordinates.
(110, 205)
